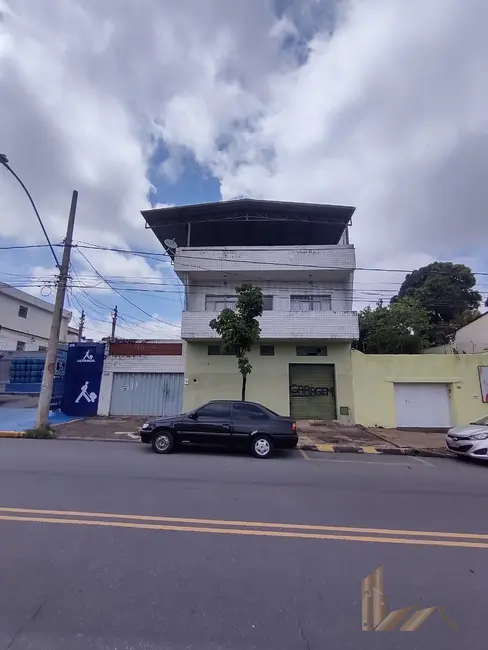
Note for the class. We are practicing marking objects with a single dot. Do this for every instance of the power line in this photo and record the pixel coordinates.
(162, 256)
(125, 298)
(4, 162)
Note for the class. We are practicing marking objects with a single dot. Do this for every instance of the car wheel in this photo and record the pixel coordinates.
(261, 446)
(163, 442)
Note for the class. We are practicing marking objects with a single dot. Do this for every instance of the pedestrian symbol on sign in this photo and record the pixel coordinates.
(90, 397)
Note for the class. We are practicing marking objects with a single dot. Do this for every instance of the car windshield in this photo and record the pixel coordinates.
(482, 421)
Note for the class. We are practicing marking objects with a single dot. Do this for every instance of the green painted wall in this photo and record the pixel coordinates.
(375, 376)
(217, 377)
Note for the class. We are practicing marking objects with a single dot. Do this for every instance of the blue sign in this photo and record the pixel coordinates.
(84, 366)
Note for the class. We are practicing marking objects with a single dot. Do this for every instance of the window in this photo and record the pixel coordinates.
(243, 411)
(20, 346)
(216, 350)
(311, 351)
(217, 303)
(266, 350)
(42, 348)
(217, 410)
(267, 303)
(23, 311)
(310, 303)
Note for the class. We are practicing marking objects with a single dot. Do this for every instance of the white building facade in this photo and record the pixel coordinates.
(301, 258)
(25, 321)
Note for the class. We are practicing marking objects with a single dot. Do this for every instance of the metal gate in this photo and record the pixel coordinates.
(312, 391)
(144, 393)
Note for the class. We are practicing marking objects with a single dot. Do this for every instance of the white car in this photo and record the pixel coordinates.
(470, 440)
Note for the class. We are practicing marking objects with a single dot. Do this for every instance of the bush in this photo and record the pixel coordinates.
(41, 434)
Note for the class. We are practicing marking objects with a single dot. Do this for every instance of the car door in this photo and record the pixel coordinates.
(213, 424)
(248, 419)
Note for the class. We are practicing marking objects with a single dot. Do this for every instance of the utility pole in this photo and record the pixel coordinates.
(43, 407)
(82, 325)
(114, 321)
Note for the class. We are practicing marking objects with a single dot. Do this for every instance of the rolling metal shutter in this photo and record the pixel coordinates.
(312, 391)
(146, 393)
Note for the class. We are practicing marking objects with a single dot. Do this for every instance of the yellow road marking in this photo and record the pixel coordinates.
(238, 531)
(11, 434)
(369, 450)
(234, 523)
(324, 447)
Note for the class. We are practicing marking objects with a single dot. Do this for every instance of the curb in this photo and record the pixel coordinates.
(385, 451)
(324, 448)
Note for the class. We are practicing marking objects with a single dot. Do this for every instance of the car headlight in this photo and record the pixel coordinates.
(145, 425)
(479, 436)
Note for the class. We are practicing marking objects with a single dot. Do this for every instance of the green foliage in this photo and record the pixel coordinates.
(446, 292)
(400, 328)
(43, 433)
(240, 329)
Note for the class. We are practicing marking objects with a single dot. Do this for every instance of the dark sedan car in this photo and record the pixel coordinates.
(223, 423)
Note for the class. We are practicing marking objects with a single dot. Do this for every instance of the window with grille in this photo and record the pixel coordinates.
(310, 303)
(311, 351)
(216, 350)
(218, 303)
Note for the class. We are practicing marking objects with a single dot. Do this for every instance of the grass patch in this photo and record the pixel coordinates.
(44, 433)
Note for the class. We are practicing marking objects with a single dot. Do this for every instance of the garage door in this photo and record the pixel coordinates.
(423, 405)
(312, 391)
(140, 393)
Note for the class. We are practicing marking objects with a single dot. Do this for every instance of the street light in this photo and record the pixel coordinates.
(4, 162)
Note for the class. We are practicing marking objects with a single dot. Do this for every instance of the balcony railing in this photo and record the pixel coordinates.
(285, 325)
(259, 259)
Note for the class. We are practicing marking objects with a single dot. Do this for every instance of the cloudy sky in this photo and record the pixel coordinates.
(381, 104)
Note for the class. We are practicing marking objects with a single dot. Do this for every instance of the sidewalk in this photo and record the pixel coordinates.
(324, 437)
(332, 437)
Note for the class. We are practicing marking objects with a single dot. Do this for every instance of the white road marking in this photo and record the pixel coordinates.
(422, 461)
(135, 436)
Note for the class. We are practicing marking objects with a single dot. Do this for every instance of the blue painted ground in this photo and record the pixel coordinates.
(20, 419)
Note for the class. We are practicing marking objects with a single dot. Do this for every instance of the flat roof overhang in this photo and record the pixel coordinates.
(249, 222)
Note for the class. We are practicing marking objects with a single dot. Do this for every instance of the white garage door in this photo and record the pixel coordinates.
(422, 405)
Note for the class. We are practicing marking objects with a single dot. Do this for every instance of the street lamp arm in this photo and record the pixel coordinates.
(4, 162)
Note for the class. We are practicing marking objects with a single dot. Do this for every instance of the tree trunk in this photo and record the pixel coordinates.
(243, 391)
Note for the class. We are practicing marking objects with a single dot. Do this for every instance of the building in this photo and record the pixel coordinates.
(419, 391)
(300, 256)
(142, 378)
(72, 335)
(469, 339)
(25, 321)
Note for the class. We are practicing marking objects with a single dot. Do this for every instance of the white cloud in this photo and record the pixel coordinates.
(377, 104)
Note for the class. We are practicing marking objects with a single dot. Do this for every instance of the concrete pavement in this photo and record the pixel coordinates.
(76, 584)
(328, 437)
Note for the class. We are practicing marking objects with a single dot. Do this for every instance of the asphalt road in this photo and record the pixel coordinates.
(197, 564)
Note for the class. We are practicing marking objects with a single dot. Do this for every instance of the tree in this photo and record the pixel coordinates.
(240, 329)
(400, 328)
(446, 292)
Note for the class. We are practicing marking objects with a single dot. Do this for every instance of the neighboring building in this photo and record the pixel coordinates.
(417, 391)
(470, 339)
(300, 256)
(72, 335)
(25, 321)
(142, 378)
